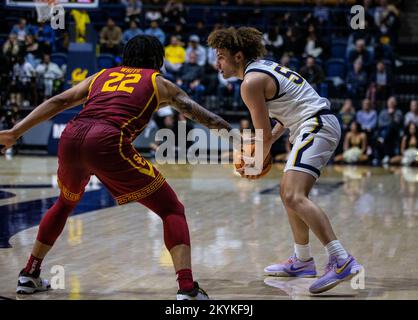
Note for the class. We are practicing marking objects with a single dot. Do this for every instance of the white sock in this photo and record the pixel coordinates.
(335, 249)
(303, 251)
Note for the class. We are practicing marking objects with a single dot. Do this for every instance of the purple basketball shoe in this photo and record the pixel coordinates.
(335, 273)
(292, 267)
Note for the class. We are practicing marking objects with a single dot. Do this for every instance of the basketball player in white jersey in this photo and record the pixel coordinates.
(272, 91)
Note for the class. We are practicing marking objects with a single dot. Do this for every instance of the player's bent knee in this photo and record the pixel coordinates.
(173, 208)
(66, 202)
(292, 200)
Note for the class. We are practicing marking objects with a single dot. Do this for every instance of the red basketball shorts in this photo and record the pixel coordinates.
(96, 147)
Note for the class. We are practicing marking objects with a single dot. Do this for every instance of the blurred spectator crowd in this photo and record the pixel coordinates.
(356, 69)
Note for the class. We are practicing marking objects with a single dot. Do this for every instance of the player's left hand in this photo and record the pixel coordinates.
(7, 139)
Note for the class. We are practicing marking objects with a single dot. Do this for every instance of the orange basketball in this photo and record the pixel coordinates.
(247, 150)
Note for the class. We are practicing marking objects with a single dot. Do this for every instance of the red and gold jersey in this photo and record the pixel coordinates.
(124, 97)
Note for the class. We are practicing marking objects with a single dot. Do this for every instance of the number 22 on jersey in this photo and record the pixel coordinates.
(120, 82)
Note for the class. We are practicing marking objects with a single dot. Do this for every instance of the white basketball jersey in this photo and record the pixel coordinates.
(295, 100)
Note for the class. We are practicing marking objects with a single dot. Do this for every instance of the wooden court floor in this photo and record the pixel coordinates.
(237, 228)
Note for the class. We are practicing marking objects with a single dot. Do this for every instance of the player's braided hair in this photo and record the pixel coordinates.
(143, 52)
(245, 39)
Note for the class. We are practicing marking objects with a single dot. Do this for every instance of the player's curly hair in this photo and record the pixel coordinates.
(245, 39)
(143, 51)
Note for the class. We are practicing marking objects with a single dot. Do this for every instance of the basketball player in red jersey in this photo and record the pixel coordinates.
(118, 104)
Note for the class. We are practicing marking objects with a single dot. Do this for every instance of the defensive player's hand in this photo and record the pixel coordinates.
(7, 139)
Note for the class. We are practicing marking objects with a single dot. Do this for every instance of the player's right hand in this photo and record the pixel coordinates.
(7, 139)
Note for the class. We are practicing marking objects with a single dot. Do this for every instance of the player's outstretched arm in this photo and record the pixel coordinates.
(46, 110)
(172, 95)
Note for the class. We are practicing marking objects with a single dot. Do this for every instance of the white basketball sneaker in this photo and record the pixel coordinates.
(196, 294)
(31, 283)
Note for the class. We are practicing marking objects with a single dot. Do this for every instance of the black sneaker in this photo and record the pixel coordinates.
(196, 294)
(31, 283)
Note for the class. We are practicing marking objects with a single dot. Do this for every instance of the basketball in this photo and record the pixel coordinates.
(249, 150)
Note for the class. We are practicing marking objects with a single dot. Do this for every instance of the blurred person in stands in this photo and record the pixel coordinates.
(294, 43)
(12, 49)
(312, 72)
(133, 31)
(21, 30)
(273, 42)
(175, 56)
(412, 114)
(210, 79)
(33, 51)
(381, 83)
(229, 89)
(196, 48)
(314, 46)
(110, 38)
(45, 36)
(389, 130)
(367, 116)
(355, 146)
(360, 52)
(50, 75)
(133, 9)
(154, 13)
(367, 119)
(321, 13)
(347, 114)
(23, 76)
(357, 81)
(387, 20)
(190, 77)
(409, 147)
(174, 12)
(155, 31)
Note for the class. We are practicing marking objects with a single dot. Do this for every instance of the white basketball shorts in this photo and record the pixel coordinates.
(315, 143)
